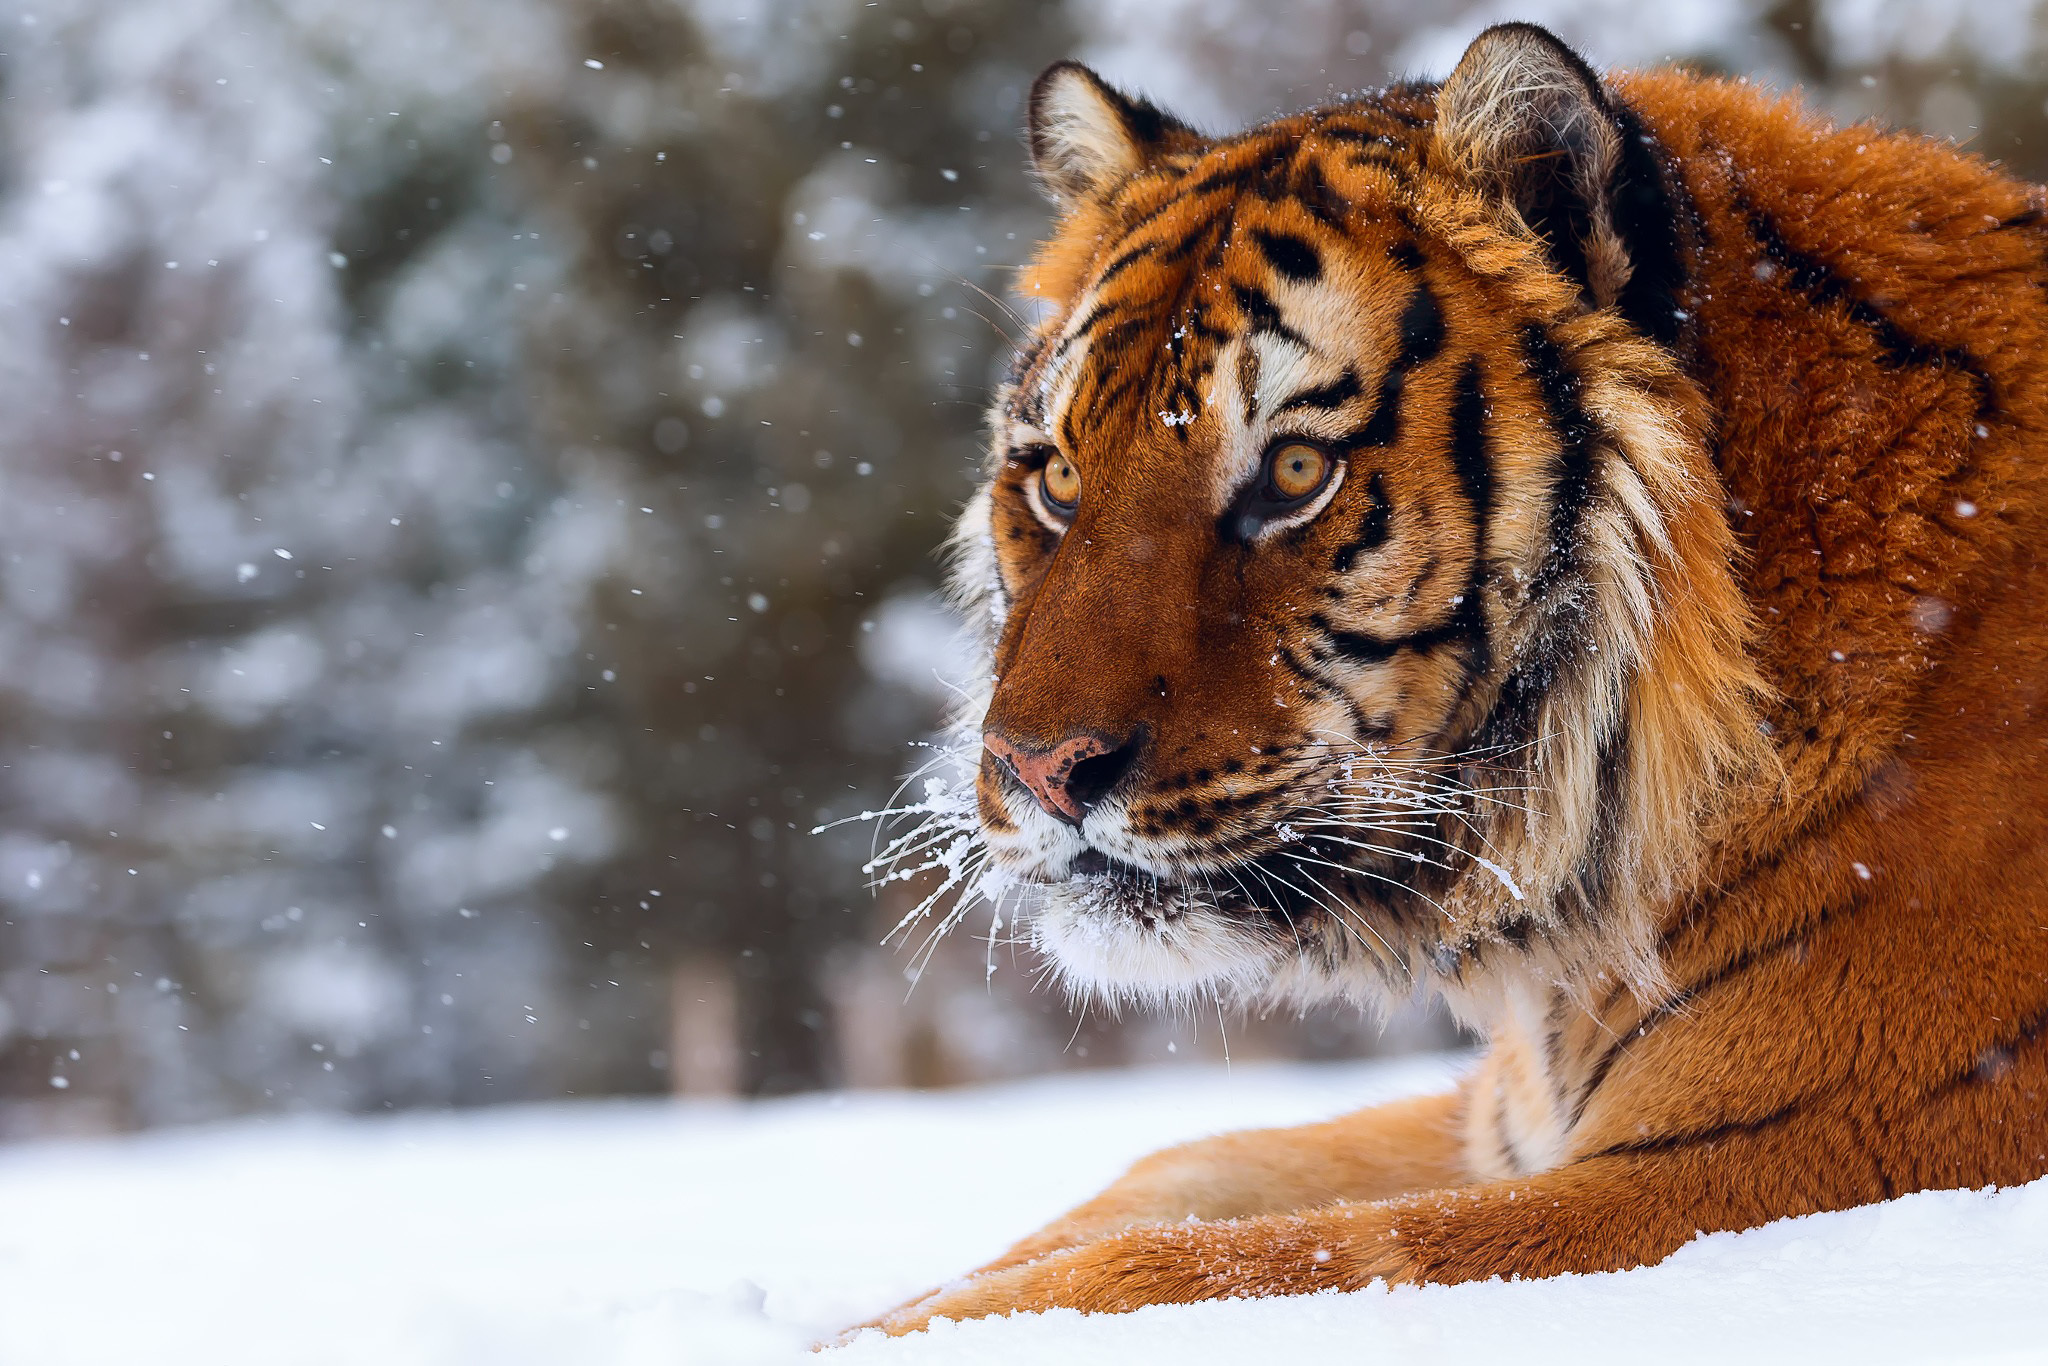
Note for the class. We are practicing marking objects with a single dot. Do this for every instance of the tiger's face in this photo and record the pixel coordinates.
(1322, 499)
(1237, 525)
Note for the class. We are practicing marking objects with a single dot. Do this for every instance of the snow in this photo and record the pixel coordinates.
(638, 1232)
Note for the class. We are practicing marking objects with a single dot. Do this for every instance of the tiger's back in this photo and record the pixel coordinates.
(1572, 545)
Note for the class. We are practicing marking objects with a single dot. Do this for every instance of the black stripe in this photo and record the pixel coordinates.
(1406, 255)
(1512, 724)
(1475, 477)
(1714, 1134)
(1422, 329)
(1195, 237)
(1112, 396)
(1355, 646)
(1263, 316)
(1422, 336)
(1115, 334)
(1078, 406)
(1385, 427)
(1335, 394)
(1316, 686)
(1361, 647)
(1560, 216)
(1251, 798)
(1165, 206)
(1595, 872)
(1372, 529)
(1254, 171)
(1676, 1004)
(1103, 388)
(1021, 365)
(1422, 576)
(1294, 257)
(1168, 250)
(1468, 452)
(1183, 398)
(1571, 479)
(1124, 262)
(1080, 331)
(1323, 204)
(1230, 178)
(1561, 1008)
(1897, 348)
(1646, 218)
(1501, 1131)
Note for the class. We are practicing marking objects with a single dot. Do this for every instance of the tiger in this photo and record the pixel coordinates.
(1568, 545)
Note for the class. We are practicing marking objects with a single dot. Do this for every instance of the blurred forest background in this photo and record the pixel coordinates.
(468, 490)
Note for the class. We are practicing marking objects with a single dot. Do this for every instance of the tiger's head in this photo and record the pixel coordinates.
(1356, 580)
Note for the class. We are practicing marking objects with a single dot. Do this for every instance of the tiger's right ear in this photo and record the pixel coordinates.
(1087, 137)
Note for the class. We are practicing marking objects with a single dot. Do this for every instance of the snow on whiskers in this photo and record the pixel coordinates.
(945, 840)
(1350, 801)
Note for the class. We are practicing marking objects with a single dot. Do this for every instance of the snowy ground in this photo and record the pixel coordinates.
(636, 1233)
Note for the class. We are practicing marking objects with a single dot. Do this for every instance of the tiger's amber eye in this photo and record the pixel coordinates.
(1061, 483)
(1297, 470)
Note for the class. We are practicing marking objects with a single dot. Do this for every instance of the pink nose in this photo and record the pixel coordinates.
(1050, 774)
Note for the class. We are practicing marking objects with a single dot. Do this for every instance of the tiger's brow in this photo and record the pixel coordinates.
(1333, 394)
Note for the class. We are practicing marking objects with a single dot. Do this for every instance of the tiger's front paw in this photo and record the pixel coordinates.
(1012, 1290)
(1176, 1264)
(1000, 1289)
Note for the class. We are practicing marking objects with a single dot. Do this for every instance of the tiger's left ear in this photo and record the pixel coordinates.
(1086, 136)
(1525, 119)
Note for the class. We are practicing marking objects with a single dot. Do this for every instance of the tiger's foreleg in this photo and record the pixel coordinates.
(1371, 1154)
(1626, 1207)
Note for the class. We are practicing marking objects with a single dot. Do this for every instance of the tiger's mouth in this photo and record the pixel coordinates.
(1266, 888)
(1269, 881)
(1343, 873)
(1117, 931)
(1110, 886)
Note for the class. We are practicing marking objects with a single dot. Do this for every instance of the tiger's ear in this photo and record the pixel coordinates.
(1086, 137)
(1524, 118)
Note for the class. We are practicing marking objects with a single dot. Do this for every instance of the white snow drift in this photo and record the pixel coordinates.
(641, 1232)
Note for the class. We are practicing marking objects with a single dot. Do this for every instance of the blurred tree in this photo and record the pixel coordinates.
(747, 347)
(471, 477)
(445, 510)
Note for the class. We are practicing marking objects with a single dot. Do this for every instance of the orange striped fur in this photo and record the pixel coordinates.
(1574, 545)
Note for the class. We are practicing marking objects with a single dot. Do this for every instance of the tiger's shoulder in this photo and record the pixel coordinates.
(1865, 309)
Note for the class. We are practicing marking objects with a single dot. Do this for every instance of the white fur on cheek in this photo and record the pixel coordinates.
(976, 585)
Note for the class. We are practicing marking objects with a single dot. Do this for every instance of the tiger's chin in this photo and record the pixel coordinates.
(1125, 936)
